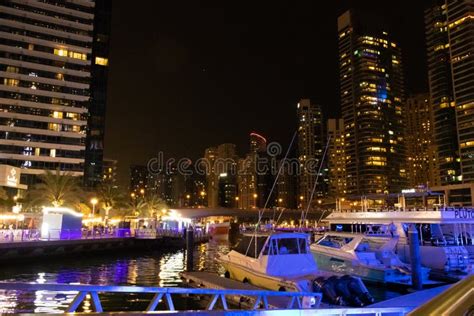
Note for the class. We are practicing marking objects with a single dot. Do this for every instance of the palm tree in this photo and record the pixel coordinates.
(57, 188)
(153, 205)
(110, 196)
(137, 206)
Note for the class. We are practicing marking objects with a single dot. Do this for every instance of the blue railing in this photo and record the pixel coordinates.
(295, 300)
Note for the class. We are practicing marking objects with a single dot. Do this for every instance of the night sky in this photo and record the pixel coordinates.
(186, 75)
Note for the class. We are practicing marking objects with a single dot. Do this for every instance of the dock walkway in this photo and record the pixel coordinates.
(214, 281)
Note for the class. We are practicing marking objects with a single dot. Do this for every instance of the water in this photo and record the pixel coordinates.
(145, 269)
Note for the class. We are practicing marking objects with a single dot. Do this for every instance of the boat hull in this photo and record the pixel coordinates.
(365, 272)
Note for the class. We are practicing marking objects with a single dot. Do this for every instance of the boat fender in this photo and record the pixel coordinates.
(357, 287)
(342, 289)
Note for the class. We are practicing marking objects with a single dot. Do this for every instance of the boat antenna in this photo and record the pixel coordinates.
(260, 213)
(303, 213)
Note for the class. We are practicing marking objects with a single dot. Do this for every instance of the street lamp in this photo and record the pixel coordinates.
(94, 201)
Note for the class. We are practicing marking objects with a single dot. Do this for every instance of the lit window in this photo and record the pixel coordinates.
(52, 152)
(58, 114)
(37, 151)
(60, 52)
(11, 82)
(101, 61)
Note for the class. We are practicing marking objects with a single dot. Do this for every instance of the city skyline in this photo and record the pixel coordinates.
(217, 64)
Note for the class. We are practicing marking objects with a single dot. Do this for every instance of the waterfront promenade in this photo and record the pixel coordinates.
(27, 244)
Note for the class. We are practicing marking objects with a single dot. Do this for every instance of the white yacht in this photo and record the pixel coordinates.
(368, 257)
(283, 262)
(445, 234)
(278, 261)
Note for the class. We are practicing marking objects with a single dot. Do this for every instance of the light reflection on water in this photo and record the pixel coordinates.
(149, 269)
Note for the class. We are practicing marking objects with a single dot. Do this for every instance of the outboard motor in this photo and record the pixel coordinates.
(358, 289)
(342, 288)
(328, 288)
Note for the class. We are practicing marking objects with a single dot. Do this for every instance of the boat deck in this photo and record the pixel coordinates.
(214, 281)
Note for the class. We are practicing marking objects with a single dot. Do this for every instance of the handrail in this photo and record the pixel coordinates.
(296, 298)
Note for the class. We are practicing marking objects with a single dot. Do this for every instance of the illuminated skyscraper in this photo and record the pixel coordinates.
(93, 166)
(138, 180)
(258, 143)
(419, 139)
(212, 185)
(46, 64)
(109, 174)
(449, 36)
(372, 95)
(336, 159)
(310, 151)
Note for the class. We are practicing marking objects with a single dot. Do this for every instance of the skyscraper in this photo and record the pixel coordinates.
(93, 167)
(138, 180)
(310, 150)
(449, 35)
(372, 95)
(109, 174)
(336, 159)
(258, 143)
(419, 139)
(45, 69)
(212, 185)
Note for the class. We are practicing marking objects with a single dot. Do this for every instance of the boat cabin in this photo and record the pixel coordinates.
(279, 253)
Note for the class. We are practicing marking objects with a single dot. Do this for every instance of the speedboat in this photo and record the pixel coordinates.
(283, 262)
(445, 234)
(370, 258)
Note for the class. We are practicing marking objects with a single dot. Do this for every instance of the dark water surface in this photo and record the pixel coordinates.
(145, 269)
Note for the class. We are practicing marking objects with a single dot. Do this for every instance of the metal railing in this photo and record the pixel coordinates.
(295, 301)
(24, 235)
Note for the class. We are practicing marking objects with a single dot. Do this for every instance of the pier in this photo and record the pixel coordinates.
(24, 244)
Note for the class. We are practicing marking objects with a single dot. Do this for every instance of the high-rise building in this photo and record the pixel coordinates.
(109, 174)
(449, 35)
(286, 186)
(419, 139)
(138, 180)
(336, 159)
(258, 143)
(247, 182)
(310, 150)
(93, 167)
(221, 177)
(212, 185)
(372, 95)
(226, 171)
(45, 70)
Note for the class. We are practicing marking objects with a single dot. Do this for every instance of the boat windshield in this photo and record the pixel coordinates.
(286, 246)
(244, 248)
(334, 241)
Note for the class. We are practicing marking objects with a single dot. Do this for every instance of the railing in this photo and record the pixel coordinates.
(295, 301)
(23, 235)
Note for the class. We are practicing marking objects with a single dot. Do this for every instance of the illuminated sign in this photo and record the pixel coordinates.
(10, 176)
(408, 191)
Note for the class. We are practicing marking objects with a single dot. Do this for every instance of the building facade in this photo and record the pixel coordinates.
(45, 70)
(138, 180)
(420, 146)
(449, 31)
(336, 159)
(109, 174)
(311, 142)
(94, 154)
(372, 96)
